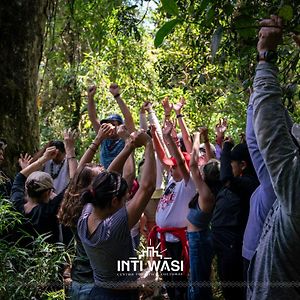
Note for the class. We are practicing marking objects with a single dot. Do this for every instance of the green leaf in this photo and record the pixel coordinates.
(286, 12)
(245, 26)
(164, 31)
(170, 7)
(215, 41)
(203, 5)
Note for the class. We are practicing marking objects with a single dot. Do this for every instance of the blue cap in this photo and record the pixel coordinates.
(113, 117)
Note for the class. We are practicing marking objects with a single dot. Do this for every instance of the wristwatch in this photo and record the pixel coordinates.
(268, 56)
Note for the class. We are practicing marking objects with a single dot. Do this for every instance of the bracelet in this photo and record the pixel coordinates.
(167, 115)
(71, 157)
(179, 116)
(93, 143)
(117, 95)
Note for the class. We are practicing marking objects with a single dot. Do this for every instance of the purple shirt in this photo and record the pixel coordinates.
(263, 197)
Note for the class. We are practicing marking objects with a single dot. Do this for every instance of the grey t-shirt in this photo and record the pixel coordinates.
(111, 242)
(274, 271)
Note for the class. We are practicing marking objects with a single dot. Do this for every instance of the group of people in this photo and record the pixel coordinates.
(191, 199)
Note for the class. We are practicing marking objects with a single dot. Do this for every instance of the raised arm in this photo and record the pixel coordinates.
(115, 91)
(92, 108)
(69, 141)
(220, 133)
(38, 164)
(138, 203)
(143, 117)
(205, 198)
(117, 165)
(153, 120)
(184, 130)
(167, 108)
(105, 131)
(160, 151)
(226, 173)
(204, 135)
(40, 152)
(181, 163)
(279, 152)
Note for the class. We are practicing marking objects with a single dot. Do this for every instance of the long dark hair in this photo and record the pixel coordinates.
(71, 206)
(211, 171)
(104, 188)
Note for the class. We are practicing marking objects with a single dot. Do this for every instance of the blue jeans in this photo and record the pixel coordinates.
(201, 255)
(80, 291)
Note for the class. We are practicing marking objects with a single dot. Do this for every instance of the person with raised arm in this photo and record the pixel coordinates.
(105, 223)
(274, 270)
(171, 214)
(40, 206)
(113, 145)
(150, 210)
(220, 133)
(187, 140)
(207, 182)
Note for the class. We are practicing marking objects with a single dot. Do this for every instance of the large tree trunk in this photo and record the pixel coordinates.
(22, 27)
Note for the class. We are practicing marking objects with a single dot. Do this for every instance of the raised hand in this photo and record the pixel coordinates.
(221, 127)
(139, 138)
(122, 132)
(114, 89)
(25, 161)
(167, 106)
(148, 106)
(203, 133)
(69, 138)
(270, 34)
(91, 91)
(50, 153)
(106, 131)
(178, 106)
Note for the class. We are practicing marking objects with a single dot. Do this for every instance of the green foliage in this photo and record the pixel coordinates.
(286, 12)
(205, 51)
(164, 31)
(27, 273)
(170, 7)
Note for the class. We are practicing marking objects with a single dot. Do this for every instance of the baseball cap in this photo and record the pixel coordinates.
(172, 160)
(39, 181)
(113, 117)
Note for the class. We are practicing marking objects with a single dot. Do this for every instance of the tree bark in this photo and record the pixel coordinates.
(22, 24)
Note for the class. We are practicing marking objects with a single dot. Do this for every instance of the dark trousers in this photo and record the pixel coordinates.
(230, 267)
(176, 284)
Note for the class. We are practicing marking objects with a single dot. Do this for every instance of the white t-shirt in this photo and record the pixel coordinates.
(62, 172)
(173, 207)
